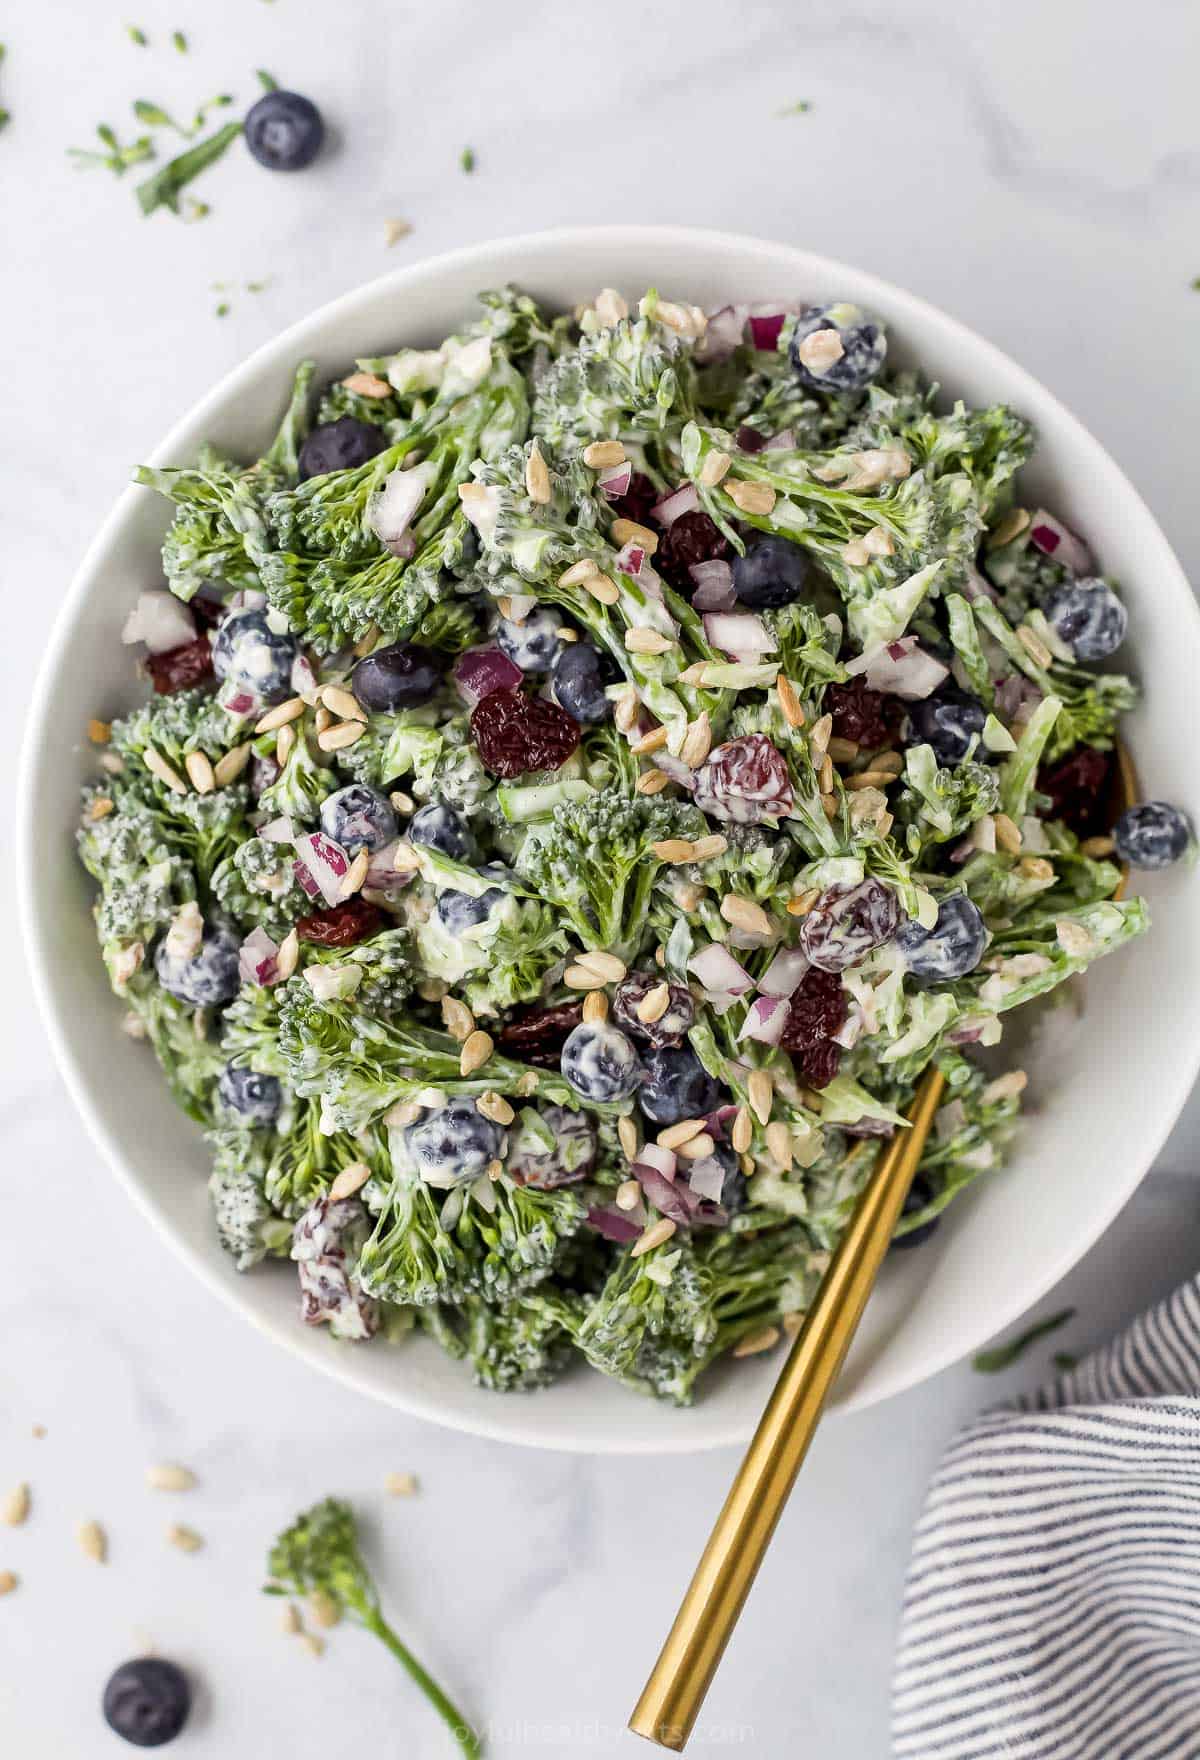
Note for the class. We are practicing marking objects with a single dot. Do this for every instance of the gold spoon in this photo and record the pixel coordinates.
(673, 1695)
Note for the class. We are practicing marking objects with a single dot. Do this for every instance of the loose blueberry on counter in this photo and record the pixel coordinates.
(359, 817)
(250, 654)
(284, 131)
(600, 1062)
(453, 1144)
(533, 644)
(458, 911)
(948, 721)
(1152, 835)
(439, 827)
(254, 1098)
(952, 948)
(399, 677)
(578, 683)
(864, 347)
(773, 572)
(677, 1085)
(1089, 617)
(146, 1701)
(339, 446)
(210, 977)
(920, 1193)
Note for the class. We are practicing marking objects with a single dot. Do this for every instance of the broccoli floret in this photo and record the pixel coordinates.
(633, 379)
(250, 1030)
(219, 533)
(987, 445)
(517, 960)
(594, 860)
(301, 786)
(407, 743)
(652, 1319)
(450, 627)
(360, 1065)
(974, 1126)
(319, 1556)
(257, 886)
(200, 828)
(190, 1061)
(513, 1348)
(427, 1249)
(936, 805)
(247, 1226)
(143, 879)
(757, 864)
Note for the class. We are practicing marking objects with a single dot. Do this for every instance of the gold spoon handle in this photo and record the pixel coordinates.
(683, 1673)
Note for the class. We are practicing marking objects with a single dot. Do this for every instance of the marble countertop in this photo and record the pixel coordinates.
(1033, 170)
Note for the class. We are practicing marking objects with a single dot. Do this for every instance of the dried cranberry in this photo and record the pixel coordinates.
(670, 1026)
(750, 439)
(637, 500)
(538, 1035)
(816, 1012)
(849, 922)
(1078, 787)
(515, 733)
(181, 668)
(341, 925)
(859, 713)
(691, 538)
(745, 780)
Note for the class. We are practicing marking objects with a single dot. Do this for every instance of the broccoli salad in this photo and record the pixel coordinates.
(594, 767)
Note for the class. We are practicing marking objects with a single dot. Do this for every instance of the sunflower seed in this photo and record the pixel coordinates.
(628, 531)
(743, 1130)
(280, 715)
(595, 1006)
(761, 1093)
(336, 739)
(654, 1004)
(647, 641)
(458, 1019)
(758, 1342)
(186, 1539)
(602, 454)
(578, 572)
(15, 1506)
(230, 767)
(743, 913)
(168, 1476)
(350, 1180)
(752, 497)
(495, 1106)
(158, 766)
(610, 968)
(93, 1541)
(342, 702)
(537, 476)
(714, 468)
(603, 589)
(652, 1237)
(627, 1133)
(477, 1048)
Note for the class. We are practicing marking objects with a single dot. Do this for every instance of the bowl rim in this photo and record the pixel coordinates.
(883, 1384)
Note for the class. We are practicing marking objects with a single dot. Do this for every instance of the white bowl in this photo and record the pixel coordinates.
(1117, 1090)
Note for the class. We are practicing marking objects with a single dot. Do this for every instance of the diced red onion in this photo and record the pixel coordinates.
(661, 1160)
(714, 586)
(671, 507)
(976, 587)
(670, 1198)
(718, 971)
(614, 480)
(765, 328)
(321, 865)
(304, 678)
(718, 1118)
(1052, 538)
(403, 548)
(784, 441)
(160, 620)
(257, 958)
(382, 875)
(279, 830)
(740, 633)
(613, 1224)
(480, 671)
(629, 560)
(765, 1019)
(246, 599)
(707, 1179)
(784, 972)
(901, 668)
(723, 335)
(966, 1033)
(237, 702)
(721, 1001)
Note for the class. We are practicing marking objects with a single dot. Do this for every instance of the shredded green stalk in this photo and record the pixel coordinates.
(1003, 1356)
(163, 189)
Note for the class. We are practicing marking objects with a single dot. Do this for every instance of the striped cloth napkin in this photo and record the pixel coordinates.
(1052, 1607)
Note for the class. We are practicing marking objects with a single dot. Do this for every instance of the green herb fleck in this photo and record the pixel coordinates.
(257, 286)
(163, 189)
(1064, 1361)
(1196, 284)
(117, 158)
(137, 35)
(152, 114)
(800, 108)
(1004, 1355)
(266, 80)
(5, 118)
(180, 41)
(223, 309)
(197, 210)
(466, 160)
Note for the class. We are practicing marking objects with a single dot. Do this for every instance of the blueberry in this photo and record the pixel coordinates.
(1089, 617)
(948, 721)
(256, 1099)
(534, 644)
(772, 572)
(439, 827)
(459, 911)
(1152, 835)
(399, 677)
(147, 1701)
(284, 131)
(863, 348)
(952, 948)
(209, 977)
(920, 1193)
(578, 683)
(454, 1143)
(600, 1062)
(359, 817)
(255, 657)
(340, 446)
(677, 1085)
